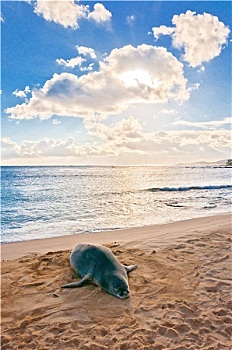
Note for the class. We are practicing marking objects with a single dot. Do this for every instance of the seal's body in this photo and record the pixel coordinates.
(97, 264)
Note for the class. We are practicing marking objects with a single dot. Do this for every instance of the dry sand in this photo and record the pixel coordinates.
(180, 293)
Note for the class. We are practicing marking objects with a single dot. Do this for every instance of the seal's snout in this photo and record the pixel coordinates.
(124, 294)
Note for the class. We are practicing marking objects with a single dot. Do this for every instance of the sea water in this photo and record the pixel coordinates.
(42, 202)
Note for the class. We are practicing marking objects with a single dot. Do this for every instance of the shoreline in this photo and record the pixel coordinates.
(161, 234)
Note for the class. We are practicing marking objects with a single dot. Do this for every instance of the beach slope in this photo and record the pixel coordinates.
(180, 293)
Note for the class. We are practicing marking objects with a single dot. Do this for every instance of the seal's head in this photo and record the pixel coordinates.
(120, 288)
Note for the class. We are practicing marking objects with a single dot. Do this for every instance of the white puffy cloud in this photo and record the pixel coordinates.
(9, 148)
(129, 75)
(73, 62)
(162, 30)
(124, 139)
(48, 148)
(126, 129)
(201, 36)
(127, 137)
(83, 50)
(66, 13)
(52, 147)
(100, 14)
(43, 148)
(78, 61)
(22, 93)
(176, 146)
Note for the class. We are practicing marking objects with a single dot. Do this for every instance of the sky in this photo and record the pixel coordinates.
(115, 82)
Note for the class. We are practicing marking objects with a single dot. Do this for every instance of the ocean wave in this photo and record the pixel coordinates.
(188, 188)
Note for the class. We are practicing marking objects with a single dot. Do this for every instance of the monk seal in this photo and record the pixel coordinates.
(97, 264)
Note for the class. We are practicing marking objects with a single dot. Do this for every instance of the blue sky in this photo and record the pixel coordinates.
(120, 83)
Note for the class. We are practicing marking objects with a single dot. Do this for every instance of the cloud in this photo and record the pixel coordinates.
(127, 137)
(194, 87)
(123, 139)
(50, 148)
(169, 111)
(126, 129)
(65, 13)
(2, 19)
(9, 148)
(201, 69)
(213, 124)
(22, 93)
(131, 19)
(73, 62)
(56, 121)
(78, 61)
(201, 36)
(100, 14)
(42, 148)
(129, 75)
(88, 68)
(68, 13)
(83, 50)
(162, 30)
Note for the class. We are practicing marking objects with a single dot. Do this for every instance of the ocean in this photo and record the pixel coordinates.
(42, 202)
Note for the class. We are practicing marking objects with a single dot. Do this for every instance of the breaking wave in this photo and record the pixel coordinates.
(187, 188)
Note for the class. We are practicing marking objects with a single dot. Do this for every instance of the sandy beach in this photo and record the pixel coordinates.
(180, 293)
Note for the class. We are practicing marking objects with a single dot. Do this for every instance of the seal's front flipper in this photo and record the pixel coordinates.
(130, 268)
(79, 283)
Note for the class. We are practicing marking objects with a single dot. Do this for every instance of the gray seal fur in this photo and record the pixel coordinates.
(97, 264)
